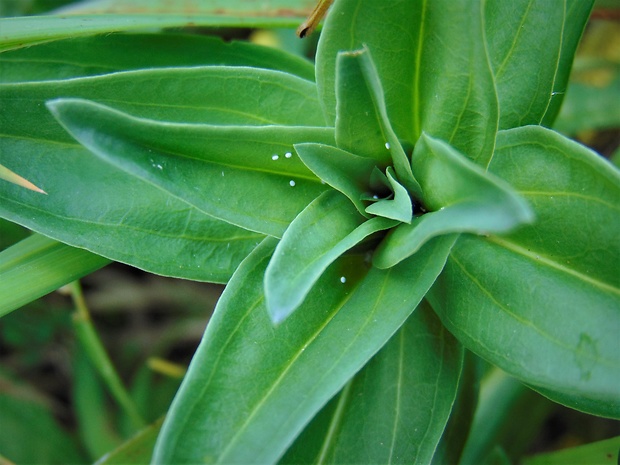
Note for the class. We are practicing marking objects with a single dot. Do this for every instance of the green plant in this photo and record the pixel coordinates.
(375, 217)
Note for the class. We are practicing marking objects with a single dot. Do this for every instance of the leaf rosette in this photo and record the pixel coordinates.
(414, 174)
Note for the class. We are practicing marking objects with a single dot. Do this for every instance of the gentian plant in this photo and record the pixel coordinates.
(384, 220)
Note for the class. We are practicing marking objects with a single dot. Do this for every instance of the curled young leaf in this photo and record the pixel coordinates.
(461, 197)
(399, 207)
(322, 232)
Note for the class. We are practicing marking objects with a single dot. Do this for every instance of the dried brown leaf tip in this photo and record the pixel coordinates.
(14, 178)
(309, 25)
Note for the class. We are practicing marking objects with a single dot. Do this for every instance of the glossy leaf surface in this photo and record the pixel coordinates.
(395, 409)
(565, 263)
(321, 233)
(95, 206)
(203, 165)
(409, 43)
(290, 371)
(91, 205)
(523, 34)
(183, 95)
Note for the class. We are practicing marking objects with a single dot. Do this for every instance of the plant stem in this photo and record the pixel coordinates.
(92, 345)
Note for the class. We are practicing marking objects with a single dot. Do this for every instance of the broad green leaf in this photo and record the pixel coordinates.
(398, 208)
(562, 268)
(31, 433)
(103, 54)
(183, 95)
(577, 194)
(431, 60)
(204, 165)
(519, 297)
(249, 409)
(395, 410)
(321, 233)
(461, 197)
(606, 452)
(37, 266)
(94, 206)
(148, 15)
(344, 171)
(450, 178)
(531, 78)
(97, 207)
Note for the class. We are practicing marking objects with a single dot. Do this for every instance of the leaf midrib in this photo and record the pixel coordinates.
(243, 427)
(525, 322)
(541, 258)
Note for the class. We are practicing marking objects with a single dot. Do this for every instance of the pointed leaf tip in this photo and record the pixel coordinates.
(14, 178)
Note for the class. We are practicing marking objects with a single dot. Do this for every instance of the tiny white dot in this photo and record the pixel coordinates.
(274, 157)
(343, 279)
(288, 154)
(387, 145)
(376, 197)
(292, 183)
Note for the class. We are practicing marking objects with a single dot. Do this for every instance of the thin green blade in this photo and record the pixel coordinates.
(37, 266)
